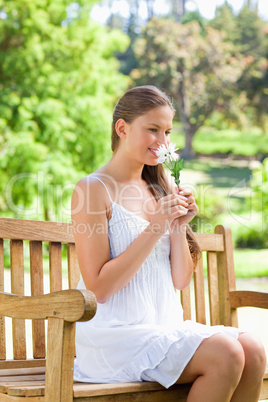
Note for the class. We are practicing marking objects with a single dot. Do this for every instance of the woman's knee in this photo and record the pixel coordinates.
(255, 356)
(221, 356)
(231, 358)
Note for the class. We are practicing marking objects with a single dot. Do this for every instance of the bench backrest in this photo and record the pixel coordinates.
(31, 243)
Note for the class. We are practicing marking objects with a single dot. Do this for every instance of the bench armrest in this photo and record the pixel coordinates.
(70, 305)
(246, 298)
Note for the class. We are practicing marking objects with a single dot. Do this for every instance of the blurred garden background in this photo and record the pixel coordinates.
(63, 66)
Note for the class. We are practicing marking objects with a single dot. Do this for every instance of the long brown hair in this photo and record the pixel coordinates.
(134, 103)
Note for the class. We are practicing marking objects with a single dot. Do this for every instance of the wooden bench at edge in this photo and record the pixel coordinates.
(48, 377)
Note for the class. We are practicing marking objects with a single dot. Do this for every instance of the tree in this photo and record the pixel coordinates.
(200, 72)
(249, 35)
(178, 8)
(127, 59)
(190, 16)
(59, 81)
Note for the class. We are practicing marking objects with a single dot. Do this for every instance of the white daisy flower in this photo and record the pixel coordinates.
(170, 158)
(167, 153)
(161, 152)
(171, 152)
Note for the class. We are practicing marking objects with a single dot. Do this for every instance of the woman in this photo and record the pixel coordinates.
(134, 247)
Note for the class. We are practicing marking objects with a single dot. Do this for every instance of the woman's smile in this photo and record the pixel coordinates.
(153, 151)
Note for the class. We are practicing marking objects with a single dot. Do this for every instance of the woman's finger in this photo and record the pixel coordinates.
(191, 200)
(186, 192)
(178, 201)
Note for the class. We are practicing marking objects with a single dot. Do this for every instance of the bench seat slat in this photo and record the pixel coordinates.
(27, 391)
(17, 364)
(80, 390)
(22, 371)
(9, 398)
(137, 391)
(150, 396)
(26, 378)
(5, 385)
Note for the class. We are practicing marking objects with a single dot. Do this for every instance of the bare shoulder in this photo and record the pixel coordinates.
(89, 196)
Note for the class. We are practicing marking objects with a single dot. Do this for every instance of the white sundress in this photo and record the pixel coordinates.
(139, 333)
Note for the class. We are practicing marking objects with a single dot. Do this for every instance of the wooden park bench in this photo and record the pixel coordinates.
(47, 375)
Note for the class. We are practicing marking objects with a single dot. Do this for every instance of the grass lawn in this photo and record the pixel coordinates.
(209, 140)
(220, 173)
(251, 263)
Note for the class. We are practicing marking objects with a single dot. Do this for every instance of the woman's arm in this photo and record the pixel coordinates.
(180, 257)
(102, 275)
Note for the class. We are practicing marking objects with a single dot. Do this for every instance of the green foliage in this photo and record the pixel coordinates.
(225, 21)
(176, 169)
(259, 185)
(249, 35)
(251, 263)
(195, 16)
(251, 238)
(210, 206)
(58, 85)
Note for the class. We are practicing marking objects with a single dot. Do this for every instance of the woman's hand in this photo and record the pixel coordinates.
(169, 208)
(192, 208)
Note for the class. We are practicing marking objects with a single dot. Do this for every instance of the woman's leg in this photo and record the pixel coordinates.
(249, 386)
(215, 369)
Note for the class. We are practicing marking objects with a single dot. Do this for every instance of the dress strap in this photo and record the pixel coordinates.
(105, 187)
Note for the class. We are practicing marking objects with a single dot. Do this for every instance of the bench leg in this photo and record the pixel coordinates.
(60, 361)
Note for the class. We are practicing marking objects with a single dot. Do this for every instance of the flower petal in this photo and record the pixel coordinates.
(171, 152)
(161, 159)
(161, 151)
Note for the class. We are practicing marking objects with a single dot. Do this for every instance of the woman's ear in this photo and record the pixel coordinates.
(120, 128)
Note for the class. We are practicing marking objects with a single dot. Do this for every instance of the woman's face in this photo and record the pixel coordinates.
(146, 133)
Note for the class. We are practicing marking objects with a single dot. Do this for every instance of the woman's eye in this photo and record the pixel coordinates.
(154, 130)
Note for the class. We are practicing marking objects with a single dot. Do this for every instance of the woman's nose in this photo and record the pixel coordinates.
(163, 139)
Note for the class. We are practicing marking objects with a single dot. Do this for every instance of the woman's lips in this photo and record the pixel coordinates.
(153, 151)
